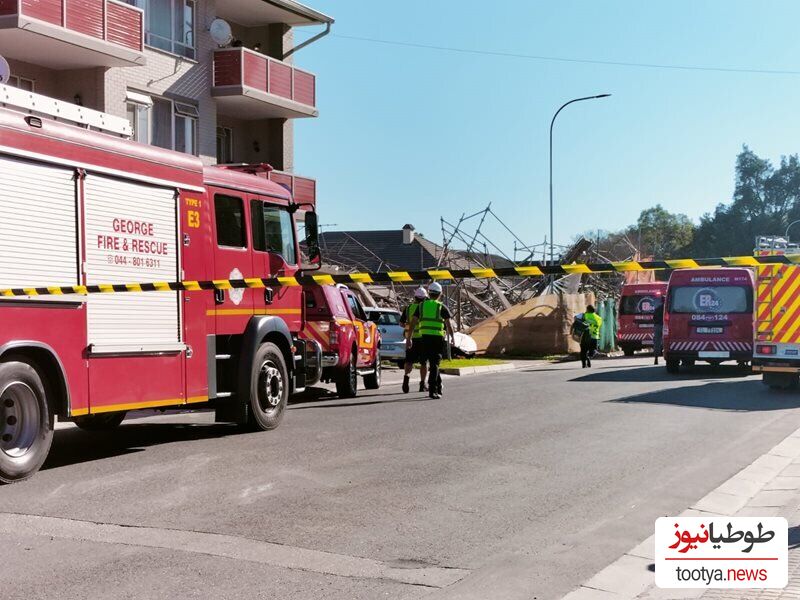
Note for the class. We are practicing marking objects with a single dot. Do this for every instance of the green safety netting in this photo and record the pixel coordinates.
(607, 309)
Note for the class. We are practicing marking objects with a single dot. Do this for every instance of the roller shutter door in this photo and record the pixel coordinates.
(131, 236)
(38, 230)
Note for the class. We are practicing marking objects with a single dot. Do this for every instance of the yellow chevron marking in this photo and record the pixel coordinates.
(361, 277)
(440, 274)
(627, 266)
(782, 318)
(576, 268)
(741, 261)
(323, 279)
(288, 281)
(528, 271)
(682, 263)
(398, 276)
(484, 273)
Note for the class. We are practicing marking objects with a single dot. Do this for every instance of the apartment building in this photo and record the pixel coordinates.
(155, 63)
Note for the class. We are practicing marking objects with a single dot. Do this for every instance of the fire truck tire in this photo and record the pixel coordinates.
(269, 388)
(672, 366)
(347, 379)
(101, 422)
(26, 421)
(373, 380)
(627, 350)
(780, 381)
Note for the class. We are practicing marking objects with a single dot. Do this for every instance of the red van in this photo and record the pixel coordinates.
(709, 317)
(350, 343)
(636, 307)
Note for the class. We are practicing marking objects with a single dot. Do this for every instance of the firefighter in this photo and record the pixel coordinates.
(434, 320)
(413, 353)
(590, 335)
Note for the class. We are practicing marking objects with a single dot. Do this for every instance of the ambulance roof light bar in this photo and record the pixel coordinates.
(39, 105)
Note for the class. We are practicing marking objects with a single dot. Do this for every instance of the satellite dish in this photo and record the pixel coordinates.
(220, 32)
(5, 70)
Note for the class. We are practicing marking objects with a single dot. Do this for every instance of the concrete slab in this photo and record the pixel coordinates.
(645, 549)
(721, 504)
(628, 576)
(584, 593)
(772, 498)
(783, 483)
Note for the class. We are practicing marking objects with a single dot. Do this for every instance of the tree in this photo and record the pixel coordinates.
(661, 233)
(765, 201)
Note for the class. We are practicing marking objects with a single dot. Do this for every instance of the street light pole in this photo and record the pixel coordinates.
(788, 227)
(551, 160)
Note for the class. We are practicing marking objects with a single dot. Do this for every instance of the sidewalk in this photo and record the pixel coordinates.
(769, 487)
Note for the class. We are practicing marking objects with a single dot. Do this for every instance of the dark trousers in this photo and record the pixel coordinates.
(432, 350)
(588, 346)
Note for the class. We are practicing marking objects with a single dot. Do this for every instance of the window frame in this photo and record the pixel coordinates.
(245, 237)
(227, 139)
(144, 5)
(178, 110)
(283, 210)
(20, 79)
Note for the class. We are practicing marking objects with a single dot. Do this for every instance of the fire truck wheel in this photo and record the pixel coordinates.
(26, 421)
(101, 422)
(373, 380)
(672, 365)
(269, 388)
(347, 379)
(780, 381)
(627, 350)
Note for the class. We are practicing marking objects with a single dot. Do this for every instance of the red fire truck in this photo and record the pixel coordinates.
(82, 207)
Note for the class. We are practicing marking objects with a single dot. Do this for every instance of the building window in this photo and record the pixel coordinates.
(137, 108)
(163, 123)
(186, 116)
(169, 25)
(22, 83)
(224, 145)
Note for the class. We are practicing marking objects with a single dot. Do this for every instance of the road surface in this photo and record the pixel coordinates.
(514, 485)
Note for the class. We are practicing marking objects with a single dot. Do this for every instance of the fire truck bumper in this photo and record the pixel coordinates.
(761, 365)
(711, 356)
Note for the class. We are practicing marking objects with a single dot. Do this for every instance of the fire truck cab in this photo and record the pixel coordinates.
(89, 208)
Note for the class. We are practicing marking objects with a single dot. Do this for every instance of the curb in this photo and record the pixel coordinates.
(763, 488)
(479, 370)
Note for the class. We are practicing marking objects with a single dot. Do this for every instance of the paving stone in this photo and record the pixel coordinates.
(584, 593)
(721, 504)
(646, 549)
(628, 576)
(784, 483)
(772, 498)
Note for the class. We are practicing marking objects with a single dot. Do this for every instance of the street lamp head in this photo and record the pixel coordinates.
(603, 96)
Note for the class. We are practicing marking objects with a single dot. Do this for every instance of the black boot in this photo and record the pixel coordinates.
(423, 387)
(405, 384)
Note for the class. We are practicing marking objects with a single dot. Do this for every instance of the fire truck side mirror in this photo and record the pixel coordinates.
(312, 239)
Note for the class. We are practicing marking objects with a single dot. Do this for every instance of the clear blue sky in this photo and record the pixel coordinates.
(410, 134)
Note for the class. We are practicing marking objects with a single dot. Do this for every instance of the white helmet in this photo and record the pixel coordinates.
(420, 293)
(435, 288)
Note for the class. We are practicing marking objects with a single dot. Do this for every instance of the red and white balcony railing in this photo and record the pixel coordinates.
(107, 27)
(291, 92)
(303, 189)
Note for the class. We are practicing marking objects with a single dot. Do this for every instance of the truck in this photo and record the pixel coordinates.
(777, 337)
(350, 342)
(85, 206)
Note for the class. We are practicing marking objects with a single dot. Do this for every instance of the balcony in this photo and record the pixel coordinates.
(303, 189)
(251, 86)
(72, 34)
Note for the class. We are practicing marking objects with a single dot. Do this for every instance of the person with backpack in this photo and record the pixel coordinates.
(588, 326)
(414, 353)
(433, 318)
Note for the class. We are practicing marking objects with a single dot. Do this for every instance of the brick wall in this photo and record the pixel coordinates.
(174, 77)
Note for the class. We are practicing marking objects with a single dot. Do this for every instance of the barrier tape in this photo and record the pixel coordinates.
(537, 270)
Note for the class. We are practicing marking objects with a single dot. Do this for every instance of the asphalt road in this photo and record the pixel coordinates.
(517, 485)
